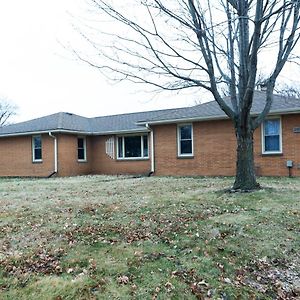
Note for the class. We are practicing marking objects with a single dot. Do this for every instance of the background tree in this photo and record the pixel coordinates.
(210, 45)
(289, 91)
(7, 110)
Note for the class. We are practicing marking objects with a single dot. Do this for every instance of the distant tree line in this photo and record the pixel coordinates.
(7, 110)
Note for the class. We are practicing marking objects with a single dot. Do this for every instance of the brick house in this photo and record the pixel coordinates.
(197, 140)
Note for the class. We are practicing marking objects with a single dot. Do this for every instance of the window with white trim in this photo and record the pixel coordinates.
(81, 149)
(271, 136)
(133, 146)
(185, 140)
(37, 148)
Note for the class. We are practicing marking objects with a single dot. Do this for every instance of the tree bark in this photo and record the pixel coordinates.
(245, 172)
(150, 50)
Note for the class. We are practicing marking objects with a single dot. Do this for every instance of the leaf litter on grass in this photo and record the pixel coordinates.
(159, 237)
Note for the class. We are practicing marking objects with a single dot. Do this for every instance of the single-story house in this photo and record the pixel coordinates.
(197, 140)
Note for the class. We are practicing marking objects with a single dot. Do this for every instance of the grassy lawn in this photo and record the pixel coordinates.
(106, 237)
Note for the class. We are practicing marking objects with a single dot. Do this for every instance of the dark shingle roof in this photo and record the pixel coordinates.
(63, 121)
(211, 110)
(124, 122)
(135, 121)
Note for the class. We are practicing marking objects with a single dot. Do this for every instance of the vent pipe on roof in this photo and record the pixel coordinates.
(55, 153)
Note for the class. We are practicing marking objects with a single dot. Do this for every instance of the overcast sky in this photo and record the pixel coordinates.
(41, 77)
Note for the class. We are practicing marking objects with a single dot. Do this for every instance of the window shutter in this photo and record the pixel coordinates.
(110, 147)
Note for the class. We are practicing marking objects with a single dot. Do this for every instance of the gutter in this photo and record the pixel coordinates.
(74, 132)
(179, 120)
(152, 149)
(44, 132)
(138, 130)
(145, 123)
(55, 154)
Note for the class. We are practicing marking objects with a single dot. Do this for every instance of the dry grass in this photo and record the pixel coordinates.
(105, 237)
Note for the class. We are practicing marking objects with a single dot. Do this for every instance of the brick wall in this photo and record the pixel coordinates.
(68, 164)
(103, 164)
(275, 165)
(214, 153)
(16, 157)
(215, 150)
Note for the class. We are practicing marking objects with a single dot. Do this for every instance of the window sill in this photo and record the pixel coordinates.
(38, 161)
(132, 158)
(82, 160)
(185, 156)
(272, 154)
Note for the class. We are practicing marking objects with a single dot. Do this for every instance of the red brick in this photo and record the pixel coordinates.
(214, 153)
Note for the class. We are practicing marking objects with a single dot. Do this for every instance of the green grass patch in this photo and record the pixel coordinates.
(105, 237)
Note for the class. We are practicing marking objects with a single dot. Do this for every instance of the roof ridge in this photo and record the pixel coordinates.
(131, 121)
(60, 120)
(139, 112)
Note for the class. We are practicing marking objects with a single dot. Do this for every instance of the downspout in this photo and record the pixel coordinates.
(55, 155)
(152, 149)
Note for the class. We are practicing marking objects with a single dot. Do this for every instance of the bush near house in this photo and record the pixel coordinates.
(103, 237)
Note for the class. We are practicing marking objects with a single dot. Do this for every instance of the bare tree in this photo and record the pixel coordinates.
(7, 110)
(210, 44)
(289, 91)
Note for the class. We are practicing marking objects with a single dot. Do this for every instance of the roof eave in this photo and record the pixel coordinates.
(285, 111)
(66, 131)
(44, 132)
(127, 131)
(142, 130)
(179, 120)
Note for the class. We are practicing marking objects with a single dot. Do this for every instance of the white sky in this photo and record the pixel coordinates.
(41, 77)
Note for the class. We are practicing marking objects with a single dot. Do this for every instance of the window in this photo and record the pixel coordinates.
(37, 148)
(185, 140)
(81, 149)
(145, 146)
(133, 146)
(271, 137)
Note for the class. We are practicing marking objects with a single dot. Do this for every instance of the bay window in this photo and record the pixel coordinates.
(133, 146)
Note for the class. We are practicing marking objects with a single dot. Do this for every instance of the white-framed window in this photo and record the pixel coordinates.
(185, 140)
(133, 147)
(81, 149)
(37, 148)
(272, 136)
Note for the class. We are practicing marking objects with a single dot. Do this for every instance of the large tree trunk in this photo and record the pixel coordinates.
(245, 173)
